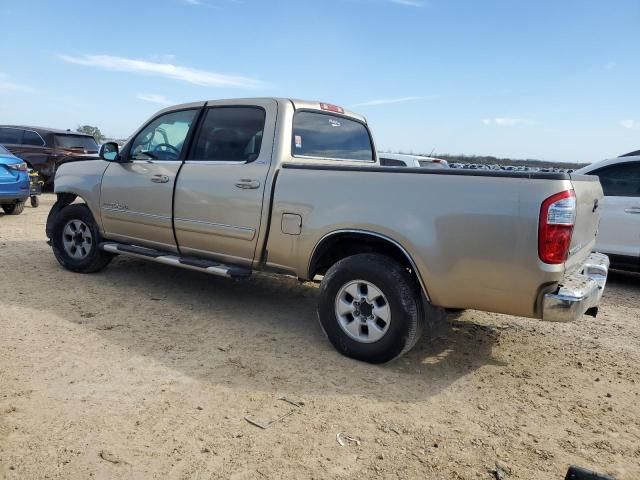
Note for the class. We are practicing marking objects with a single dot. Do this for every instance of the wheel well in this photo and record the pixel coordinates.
(343, 245)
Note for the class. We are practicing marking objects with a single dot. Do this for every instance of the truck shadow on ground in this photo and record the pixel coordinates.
(261, 333)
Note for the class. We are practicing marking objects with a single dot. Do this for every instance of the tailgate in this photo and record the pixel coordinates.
(588, 198)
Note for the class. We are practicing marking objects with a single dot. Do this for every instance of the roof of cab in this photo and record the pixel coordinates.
(297, 104)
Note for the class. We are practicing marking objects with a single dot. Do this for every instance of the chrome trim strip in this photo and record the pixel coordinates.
(131, 212)
(214, 162)
(332, 159)
(221, 229)
(373, 234)
(146, 162)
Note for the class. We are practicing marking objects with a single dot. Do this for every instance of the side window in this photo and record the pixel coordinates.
(32, 138)
(11, 136)
(321, 135)
(620, 180)
(391, 162)
(164, 137)
(230, 134)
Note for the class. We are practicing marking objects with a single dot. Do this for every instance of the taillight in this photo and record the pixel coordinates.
(21, 167)
(557, 218)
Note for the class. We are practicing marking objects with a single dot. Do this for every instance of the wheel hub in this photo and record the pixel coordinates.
(362, 311)
(77, 239)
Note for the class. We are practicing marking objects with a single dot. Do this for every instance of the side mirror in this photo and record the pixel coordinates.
(110, 152)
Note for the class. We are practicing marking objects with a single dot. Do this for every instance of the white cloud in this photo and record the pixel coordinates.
(7, 85)
(409, 3)
(610, 65)
(507, 122)
(166, 70)
(154, 98)
(630, 124)
(386, 101)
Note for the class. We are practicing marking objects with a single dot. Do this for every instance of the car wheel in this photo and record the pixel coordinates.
(76, 239)
(14, 208)
(370, 308)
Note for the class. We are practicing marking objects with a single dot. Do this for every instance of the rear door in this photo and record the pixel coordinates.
(136, 197)
(219, 193)
(620, 223)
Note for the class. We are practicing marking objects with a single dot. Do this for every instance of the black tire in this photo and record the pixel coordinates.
(399, 289)
(15, 208)
(35, 201)
(95, 259)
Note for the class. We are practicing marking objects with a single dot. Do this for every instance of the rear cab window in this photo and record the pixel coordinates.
(327, 136)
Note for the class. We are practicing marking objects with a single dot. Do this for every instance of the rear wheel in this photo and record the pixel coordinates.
(15, 208)
(76, 240)
(35, 201)
(370, 308)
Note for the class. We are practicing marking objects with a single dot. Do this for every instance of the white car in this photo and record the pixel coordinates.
(619, 232)
(415, 161)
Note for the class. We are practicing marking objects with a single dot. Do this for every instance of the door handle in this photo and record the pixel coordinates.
(632, 210)
(160, 179)
(247, 184)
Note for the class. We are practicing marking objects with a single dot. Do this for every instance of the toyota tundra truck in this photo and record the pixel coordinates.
(295, 187)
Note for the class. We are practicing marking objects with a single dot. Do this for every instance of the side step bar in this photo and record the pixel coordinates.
(169, 258)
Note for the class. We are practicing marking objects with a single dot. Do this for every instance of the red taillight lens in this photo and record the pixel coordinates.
(331, 108)
(21, 167)
(557, 218)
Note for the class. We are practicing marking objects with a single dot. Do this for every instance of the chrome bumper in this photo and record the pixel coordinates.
(578, 293)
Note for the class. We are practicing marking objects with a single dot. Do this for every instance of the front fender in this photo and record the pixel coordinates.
(80, 179)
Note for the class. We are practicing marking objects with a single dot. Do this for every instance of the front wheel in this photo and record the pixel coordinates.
(35, 201)
(75, 240)
(15, 208)
(370, 308)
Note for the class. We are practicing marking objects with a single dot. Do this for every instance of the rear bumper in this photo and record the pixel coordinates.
(578, 293)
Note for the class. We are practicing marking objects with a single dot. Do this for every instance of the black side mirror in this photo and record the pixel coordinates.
(110, 152)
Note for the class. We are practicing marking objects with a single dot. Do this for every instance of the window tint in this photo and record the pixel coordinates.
(392, 162)
(620, 180)
(329, 136)
(11, 136)
(32, 138)
(230, 133)
(76, 141)
(163, 138)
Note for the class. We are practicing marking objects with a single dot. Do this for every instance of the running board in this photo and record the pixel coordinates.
(169, 258)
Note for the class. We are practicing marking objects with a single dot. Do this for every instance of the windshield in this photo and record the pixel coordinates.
(82, 142)
(4, 151)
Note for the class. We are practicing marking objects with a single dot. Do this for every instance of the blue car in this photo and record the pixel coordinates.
(14, 183)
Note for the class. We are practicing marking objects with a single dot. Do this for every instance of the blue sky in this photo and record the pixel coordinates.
(556, 80)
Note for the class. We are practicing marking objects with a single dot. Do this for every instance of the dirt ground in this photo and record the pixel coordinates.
(145, 371)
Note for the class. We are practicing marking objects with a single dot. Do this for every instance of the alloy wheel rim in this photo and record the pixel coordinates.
(77, 239)
(362, 311)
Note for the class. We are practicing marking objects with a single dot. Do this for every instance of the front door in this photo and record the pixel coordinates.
(219, 193)
(137, 195)
(619, 231)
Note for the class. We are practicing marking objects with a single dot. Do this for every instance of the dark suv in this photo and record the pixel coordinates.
(44, 149)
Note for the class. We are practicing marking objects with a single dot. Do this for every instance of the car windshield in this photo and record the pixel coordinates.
(82, 142)
(4, 151)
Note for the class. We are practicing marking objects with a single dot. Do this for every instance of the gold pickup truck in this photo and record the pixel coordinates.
(295, 187)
